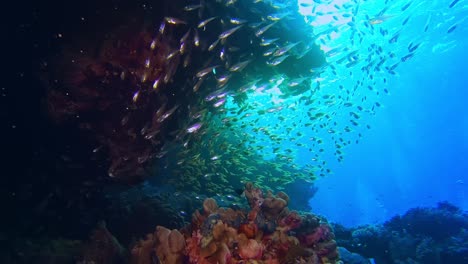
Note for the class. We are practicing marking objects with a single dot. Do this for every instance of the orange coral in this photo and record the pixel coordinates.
(272, 206)
(249, 229)
(141, 253)
(167, 245)
(210, 206)
(249, 248)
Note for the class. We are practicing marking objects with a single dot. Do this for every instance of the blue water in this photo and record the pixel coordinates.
(416, 153)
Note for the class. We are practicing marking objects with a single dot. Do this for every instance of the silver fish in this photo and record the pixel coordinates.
(196, 39)
(196, 87)
(185, 37)
(262, 30)
(192, 7)
(277, 17)
(239, 66)
(206, 71)
(285, 49)
(237, 21)
(229, 32)
(268, 52)
(167, 114)
(277, 60)
(156, 84)
(162, 27)
(206, 21)
(172, 54)
(267, 42)
(222, 81)
(222, 54)
(135, 96)
(174, 21)
(194, 128)
(213, 45)
(219, 103)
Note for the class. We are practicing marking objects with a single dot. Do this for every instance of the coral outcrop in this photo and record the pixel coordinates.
(268, 232)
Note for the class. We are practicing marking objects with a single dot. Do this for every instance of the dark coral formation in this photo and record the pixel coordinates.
(129, 89)
(422, 235)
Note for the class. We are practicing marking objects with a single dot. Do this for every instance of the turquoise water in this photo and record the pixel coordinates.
(411, 135)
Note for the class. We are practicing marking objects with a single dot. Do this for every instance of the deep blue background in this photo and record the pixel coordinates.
(416, 153)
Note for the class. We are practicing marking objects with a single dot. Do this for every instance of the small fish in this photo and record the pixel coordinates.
(172, 54)
(194, 128)
(162, 27)
(135, 96)
(269, 52)
(239, 66)
(267, 42)
(196, 39)
(153, 45)
(277, 60)
(174, 21)
(183, 48)
(407, 57)
(237, 21)
(255, 25)
(412, 48)
(205, 71)
(222, 54)
(295, 82)
(222, 81)
(405, 21)
(206, 21)
(451, 29)
(185, 36)
(196, 87)
(219, 103)
(262, 30)
(285, 49)
(167, 114)
(427, 23)
(395, 37)
(213, 45)
(277, 17)
(379, 19)
(229, 32)
(453, 3)
(192, 7)
(403, 8)
(156, 84)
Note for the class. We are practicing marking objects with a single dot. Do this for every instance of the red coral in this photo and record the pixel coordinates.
(291, 221)
(250, 229)
(321, 233)
(249, 248)
(193, 248)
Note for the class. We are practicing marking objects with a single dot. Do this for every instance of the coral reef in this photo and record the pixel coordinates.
(351, 258)
(266, 233)
(422, 235)
(163, 246)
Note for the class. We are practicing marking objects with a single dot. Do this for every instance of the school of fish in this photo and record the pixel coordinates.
(259, 103)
